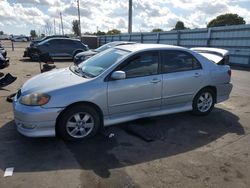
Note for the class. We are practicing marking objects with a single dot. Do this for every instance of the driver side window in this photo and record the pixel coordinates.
(144, 64)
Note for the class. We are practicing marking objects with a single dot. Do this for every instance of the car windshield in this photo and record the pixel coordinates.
(95, 65)
(42, 42)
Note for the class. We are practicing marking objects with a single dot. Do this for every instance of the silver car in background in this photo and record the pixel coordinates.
(119, 85)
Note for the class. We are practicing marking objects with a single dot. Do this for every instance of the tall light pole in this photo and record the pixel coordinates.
(130, 17)
(79, 20)
(61, 23)
(54, 26)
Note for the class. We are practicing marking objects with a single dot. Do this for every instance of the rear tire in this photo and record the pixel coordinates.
(203, 102)
(79, 123)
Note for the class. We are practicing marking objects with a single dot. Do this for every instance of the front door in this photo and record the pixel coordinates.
(141, 90)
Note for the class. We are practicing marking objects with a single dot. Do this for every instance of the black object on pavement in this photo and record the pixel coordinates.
(7, 80)
(47, 59)
(10, 97)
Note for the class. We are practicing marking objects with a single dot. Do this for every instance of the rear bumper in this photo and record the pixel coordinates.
(223, 92)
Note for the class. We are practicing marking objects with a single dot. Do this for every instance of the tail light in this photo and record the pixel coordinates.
(226, 60)
(229, 72)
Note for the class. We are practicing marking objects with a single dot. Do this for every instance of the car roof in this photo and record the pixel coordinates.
(120, 42)
(141, 47)
(59, 38)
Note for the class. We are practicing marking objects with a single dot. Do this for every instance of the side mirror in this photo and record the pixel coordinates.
(118, 75)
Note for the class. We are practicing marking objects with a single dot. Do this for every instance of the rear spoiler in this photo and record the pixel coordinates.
(216, 55)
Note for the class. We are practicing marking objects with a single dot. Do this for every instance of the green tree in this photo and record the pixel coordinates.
(33, 33)
(88, 33)
(99, 33)
(179, 26)
(75, 27)
(1, 32)
(113, 32)
(157, 30)
(226, 19)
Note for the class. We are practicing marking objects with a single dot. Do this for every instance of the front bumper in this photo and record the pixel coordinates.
(26, 52)
(35, 121)
(4, 63)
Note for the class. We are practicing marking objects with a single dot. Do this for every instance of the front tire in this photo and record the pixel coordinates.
(79, 122)
(203, 102)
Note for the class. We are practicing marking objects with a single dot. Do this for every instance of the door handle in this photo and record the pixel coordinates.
(197, 74)
(155, 80)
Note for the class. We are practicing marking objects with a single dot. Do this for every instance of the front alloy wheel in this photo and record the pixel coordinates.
(79, 125)
(78, 122)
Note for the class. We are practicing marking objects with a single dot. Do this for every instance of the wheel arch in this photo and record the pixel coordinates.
(76, 52)
(96, 107)
(213, 88)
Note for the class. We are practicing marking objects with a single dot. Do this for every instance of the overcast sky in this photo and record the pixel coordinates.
(20, 16)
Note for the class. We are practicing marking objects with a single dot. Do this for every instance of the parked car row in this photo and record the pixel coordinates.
(4, 61)
(119, 84)
(56, 47)
(80, 57)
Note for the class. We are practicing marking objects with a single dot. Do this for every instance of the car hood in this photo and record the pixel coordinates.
(51, 81)
(86, 53)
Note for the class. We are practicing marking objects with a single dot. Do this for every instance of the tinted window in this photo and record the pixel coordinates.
(176, 61)
(52, 42)
(142, 65)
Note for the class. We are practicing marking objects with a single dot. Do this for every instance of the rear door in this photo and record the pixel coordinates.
(141, 90)
(182, 77)
(52, 47)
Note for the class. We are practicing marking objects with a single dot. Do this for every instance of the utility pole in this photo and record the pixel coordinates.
(79, 20)
(59, 28)
(130, 17)
(61, 23)
(54, 26)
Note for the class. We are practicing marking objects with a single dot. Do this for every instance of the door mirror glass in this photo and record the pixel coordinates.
(118, 75)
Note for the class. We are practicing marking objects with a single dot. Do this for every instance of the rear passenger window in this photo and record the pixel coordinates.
(176, 61)
(144, 64)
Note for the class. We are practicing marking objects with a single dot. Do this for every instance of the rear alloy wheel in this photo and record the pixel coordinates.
(79, 122)
(203, 102)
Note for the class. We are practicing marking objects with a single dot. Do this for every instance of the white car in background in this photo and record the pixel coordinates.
(19, 39)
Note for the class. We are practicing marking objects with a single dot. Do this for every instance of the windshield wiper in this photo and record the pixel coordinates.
(84, 74)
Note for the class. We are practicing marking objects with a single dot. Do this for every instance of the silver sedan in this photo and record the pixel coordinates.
(119, 85)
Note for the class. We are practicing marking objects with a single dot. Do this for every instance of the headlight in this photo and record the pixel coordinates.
(35, 99)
